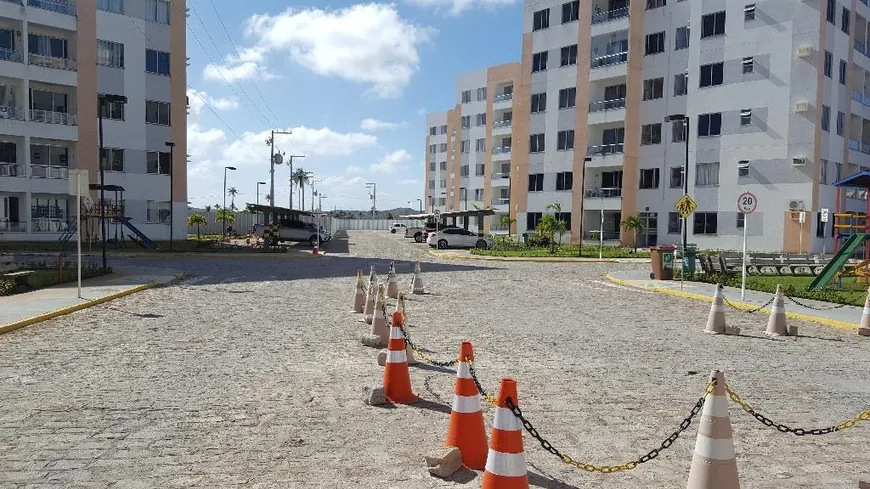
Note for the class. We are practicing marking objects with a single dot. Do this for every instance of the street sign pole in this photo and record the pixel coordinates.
(824, 219)
(79, 229)
(685, 206)
(743, 279)
(746, 204)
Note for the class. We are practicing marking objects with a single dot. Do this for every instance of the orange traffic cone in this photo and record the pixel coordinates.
(359, 296)
(506, 462)
(379, 320)
(714, 465)
(466, 431)
(397, 378)
(864, 327)
(417, 284)
(777, 324)
(392, 283)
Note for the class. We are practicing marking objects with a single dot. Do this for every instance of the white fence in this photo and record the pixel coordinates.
(368, 224)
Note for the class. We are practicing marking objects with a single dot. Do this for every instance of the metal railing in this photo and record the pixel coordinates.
(49, 117)
(607, 105)
(860, 46)
(501, 150)
(13, 227)
(500, 175)
(609, 15)
(609, 235)
(11, 113)
(499, 228)
(501, 124)
(48, 225)
(605, 149)
(610, 59)
(503, 97)
(857, 96)
(501, 200)
(7, 54)
(59, 6)
(48, 171)
(604, 193)
(12, 170)
(68, 64)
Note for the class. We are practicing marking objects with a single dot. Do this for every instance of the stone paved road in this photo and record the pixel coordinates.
(249, 375)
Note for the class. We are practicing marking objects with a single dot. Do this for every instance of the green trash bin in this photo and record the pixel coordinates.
(689, 254)
(526, 239)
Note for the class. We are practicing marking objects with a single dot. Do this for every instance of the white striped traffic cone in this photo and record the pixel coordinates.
(417, 287)
(392, 283)
(716, 319)
(359, 296)
(379, 321)
(864, 327)
(714, 464)
(777, 324)
(371, 297)
(466, 430)
(506, 461)
(400, 307)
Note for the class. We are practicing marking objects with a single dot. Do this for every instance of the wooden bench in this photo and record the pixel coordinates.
(730, 262)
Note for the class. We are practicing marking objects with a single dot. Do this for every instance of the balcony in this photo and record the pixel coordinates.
(604, 193)
(68, 64)
(607, 105)
(50, 117)
(500, 179)
(505, 97)
(48, 225)
(610, 59)
(52, 172)
(604, 150)
(12, 170)
(11, 113)
(609, 15)
(501, 153)
(11, 55)
(501, 124)
(13, 227)
(501, 201)
(59, 6)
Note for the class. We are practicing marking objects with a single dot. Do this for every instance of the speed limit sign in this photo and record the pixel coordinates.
(437, 212)
(747, 202)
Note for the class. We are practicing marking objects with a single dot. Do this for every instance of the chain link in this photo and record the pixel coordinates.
(419, 353)
(815, 308)
(782, 428)
(748, 311)
(486, 397)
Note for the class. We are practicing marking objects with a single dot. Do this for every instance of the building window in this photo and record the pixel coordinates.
(564, 217)
(432, 149)
(481, 94)
(539, 102)
(743, 168)
(157, 112)
(110, 54)
(481, 119)
(565, 180)
(707, 174)
(748, 64)
(464, 146)
(565, 140)
(431, 184)
(532, 220)
(651, 133)
(539, 61)
(674, 223)
(443, 184)
(541, 19)
(112, 159)
(479, 170)
(442, 166)
(156, 62)
(681, 38)
(651, 4)
(712, 75)
(442, 148)
(705, 223)
(681, 84)
(570, 11)
(678, 131)
(823, 172)
(745, 117)
(444, 129)
(840, 121)
(829, 63)
(831, 12)
(463, 171)
(655, 43)
(465, 121)
(480, 145)
(826, 118)
(157, 163)
(112, 110)
(649, 178)
(433, 130)
(569, 55)
(749, 12)
(157, 11)
(431, 166)
(710, 124)
(114, 6)
(536, 182)
(567, 97)
(478, 194)
(157, 212)
(844, 20)
(842, 72)
(713, 24)
(466, 96)
(676, 180)
(653, 88)
(536, 143)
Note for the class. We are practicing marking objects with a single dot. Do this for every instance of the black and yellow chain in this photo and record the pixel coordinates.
(815, 308)
(486, 397)
(782, 428)
(417, 351)
(748, 311)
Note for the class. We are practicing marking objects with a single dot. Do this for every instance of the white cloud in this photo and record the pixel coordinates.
(410, 182)
(376, 125)
(353, 170)
(367, 43)
(198, 99)
(456, 7)
(392, 162)
(237, 70)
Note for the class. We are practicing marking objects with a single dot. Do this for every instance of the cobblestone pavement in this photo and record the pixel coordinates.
(250, 373)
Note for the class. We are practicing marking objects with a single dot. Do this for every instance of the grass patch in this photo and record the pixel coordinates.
(852, 292)
(47, 277)
(563, 251)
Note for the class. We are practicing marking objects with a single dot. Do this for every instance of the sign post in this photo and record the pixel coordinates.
(437, 215)
(78, 183)
(685, 205)
(824, 213)
(746, 204)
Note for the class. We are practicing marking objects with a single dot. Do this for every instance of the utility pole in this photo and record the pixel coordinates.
(271, 143)
(373, 195)
(291, 178)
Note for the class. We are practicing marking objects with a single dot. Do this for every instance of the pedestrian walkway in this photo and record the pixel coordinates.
(846, 317)
(20, 310)
(466, 255)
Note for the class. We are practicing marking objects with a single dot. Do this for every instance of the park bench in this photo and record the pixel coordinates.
(730, 262)
(9, 271)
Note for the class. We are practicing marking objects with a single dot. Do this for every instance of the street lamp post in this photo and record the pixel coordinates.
(373, 196)
(420, 201)
(291, 177)
(271, 167)
(171, 146)
(101, 104)
(685, 119)
(258, 195)
(582, 199)
(224, 208)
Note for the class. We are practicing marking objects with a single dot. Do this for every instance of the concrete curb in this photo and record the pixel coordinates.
(533, 259)
(739, 305)
(7, 328)
(289, 255)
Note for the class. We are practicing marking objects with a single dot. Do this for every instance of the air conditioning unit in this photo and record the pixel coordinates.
(801, 106)
(795, 205)
(804, 51)
(798, 161)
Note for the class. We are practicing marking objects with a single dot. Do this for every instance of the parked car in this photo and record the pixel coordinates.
(397, 226)
(296, 231)
(419, 233)
(457, 238)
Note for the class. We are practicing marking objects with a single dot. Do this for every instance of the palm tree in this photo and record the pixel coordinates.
(225, 216)
(635, 224)
(561, 226)
(208, 208)
(300, 178)
(507, 221)
(196, 220)
(232, 193)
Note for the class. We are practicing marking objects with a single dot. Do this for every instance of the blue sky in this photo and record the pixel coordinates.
(352, 81)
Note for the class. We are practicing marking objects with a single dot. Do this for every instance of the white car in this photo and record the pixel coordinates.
(457, 238)
(397, 226)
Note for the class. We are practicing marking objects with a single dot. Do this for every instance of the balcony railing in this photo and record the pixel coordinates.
(860, 46)
(605, 149)
(48, 225)
(503, 97)
(501, 200)
(501, 150)
(610, 59)
(17, 2)
(52, 62)
(607, 105)
(601, 17)
(50, 117)
(11, 113)
(7, 54)
(12, 170)
(47, 171)
(500, 175)
(59, 6)
(604, 193)
(608, 235)
(501, 124)
(13, 227)
(499, 228)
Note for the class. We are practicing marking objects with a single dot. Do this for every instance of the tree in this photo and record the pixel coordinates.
(507, 221)
(635, 224)
(225, 216)
(546, 230)
(196, 220)
(208, 208)
(560, 226)
(232, 193)
(300, 178)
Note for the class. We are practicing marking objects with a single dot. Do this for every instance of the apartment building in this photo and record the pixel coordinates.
(59, 62)
(764, 97)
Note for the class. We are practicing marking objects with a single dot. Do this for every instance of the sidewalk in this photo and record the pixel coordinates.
(466, 255)
(846, 317)
(18, 311)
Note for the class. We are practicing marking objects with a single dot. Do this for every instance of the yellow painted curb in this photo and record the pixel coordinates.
(288, 255)
(538, 259)
(67, 310)
(739, 305)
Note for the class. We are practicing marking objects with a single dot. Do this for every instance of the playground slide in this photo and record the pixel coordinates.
(145, 240)
(68, 234)
(837, 262)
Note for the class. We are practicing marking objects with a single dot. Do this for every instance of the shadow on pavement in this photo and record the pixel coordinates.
(541, 480)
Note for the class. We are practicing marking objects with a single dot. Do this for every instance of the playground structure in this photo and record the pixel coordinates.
(116, 222)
